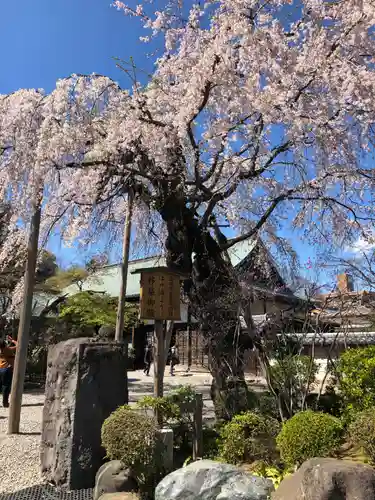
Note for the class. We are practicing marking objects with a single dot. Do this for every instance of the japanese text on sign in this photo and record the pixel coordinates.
(160, 296)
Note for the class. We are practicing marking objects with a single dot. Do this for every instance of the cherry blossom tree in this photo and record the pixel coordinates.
(259, 115)
(12, 266)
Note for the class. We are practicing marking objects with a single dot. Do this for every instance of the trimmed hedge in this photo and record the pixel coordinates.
(132, 438)
(309, 434)
(247, 438)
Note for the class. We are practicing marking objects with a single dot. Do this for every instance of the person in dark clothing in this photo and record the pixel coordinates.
(174, 359)
(148, 359)
(7, 354)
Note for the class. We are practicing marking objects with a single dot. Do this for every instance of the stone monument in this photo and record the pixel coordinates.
(86, 381)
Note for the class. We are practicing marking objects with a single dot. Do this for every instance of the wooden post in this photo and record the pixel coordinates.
(24, 326)
(198, 428)
(159, 364)
(124, 269)
(159, 301)
(133, 337)
(190, 353)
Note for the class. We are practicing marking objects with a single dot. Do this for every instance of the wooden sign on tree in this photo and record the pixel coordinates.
(160, 294)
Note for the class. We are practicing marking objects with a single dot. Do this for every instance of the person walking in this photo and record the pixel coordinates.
(174, 360)
(148, 359)
(7, 355)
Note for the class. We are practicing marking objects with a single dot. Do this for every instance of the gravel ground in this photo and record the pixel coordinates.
(19, 456)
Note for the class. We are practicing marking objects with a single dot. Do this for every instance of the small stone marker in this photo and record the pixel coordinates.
(166, 438)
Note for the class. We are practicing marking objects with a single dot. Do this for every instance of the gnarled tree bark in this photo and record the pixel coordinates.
(214, 296)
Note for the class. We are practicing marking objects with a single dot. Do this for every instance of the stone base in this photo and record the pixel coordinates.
(86, 381)
(113, 477)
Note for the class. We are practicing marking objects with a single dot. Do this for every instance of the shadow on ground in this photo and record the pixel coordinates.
(30, 433)
(46, 492)
(31, 389)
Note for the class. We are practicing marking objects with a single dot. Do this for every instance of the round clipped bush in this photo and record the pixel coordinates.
(362, 432)
(132, 438)
(247, 438)
(309, 434)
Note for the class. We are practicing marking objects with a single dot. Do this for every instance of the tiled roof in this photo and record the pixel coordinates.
(339, 338)
(107, 279)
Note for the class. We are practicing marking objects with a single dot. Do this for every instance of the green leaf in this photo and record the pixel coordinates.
(95, 309)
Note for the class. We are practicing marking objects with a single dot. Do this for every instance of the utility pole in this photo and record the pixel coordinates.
(24, 325)
(124, 268)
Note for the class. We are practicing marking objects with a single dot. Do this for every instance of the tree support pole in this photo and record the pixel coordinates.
(159, 363)
(24, 326)
(189, 332)
(124, 269)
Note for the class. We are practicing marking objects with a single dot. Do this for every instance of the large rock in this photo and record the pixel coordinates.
(86, 381)
(328, 479)
(208, 480)
(113, 477)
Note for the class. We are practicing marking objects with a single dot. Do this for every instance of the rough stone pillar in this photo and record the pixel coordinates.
(166, 438)
(86, 381)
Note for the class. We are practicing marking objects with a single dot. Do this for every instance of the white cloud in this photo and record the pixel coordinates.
(363, 245)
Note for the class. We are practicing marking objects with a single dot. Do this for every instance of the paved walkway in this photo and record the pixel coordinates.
(140, 385)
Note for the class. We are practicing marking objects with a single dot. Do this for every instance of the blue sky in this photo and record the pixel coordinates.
(44, 40)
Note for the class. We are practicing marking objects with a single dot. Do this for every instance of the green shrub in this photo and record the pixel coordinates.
(355, 371)
(247, 438)
(271, 472)
(183, 396)
(293, 377)
(132, 438)
(267, 405)
(362, 432)
(232, 399)
(307, 435)
(176, 412)
(210, 442)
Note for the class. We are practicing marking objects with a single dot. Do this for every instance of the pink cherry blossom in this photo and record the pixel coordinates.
(262, 123)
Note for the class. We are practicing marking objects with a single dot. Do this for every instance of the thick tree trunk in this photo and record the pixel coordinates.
(214, 296)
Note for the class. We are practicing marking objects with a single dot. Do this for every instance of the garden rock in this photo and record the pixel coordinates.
(208, 480)
(328, 479)
(119, 496)
(86, 381)
(113, 477)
